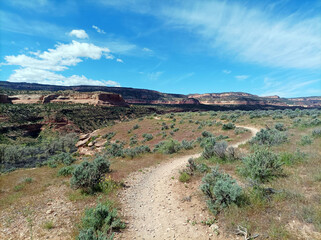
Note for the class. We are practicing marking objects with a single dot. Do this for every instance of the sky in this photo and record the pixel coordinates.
(187, 46)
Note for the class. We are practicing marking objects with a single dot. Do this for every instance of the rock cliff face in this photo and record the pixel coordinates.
(165, 101)
(5, 99)
(122, 96)
(239, 98)
(98, 98)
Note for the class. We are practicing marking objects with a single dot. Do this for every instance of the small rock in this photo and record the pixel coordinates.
(49, 211)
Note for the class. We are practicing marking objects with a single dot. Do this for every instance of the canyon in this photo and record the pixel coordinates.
(121, 96)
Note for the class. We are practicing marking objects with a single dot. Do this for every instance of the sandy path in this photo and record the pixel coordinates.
(154, 209)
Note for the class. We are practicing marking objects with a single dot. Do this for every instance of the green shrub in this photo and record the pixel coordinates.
(184, 177)
(316, 132)
(66, 171)
(115, 150)
(18, 187)
(306, 140)
(202, 167)
(208, 151)
(28, 180)
(147, 137)
(187, 145)
(207, 134)
(269, 137)
(228, 126)
(133, 152)
(262, 165)
(168, 147)
(109, 135)
(136, 127)
(223, 117)
(88, 175)
(99, 223)
(220, 189)
(48, 225)
(220, 149)
(280, 127)
(240, 130)
(62, 158)
(133, 140)
(292, 158)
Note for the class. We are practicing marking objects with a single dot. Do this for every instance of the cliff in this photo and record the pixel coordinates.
(121, 96)
(97, 98)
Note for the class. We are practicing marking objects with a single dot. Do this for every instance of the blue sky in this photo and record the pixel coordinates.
(259, 47)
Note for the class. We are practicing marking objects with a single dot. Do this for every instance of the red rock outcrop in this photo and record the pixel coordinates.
(96, 98)
(164, 101)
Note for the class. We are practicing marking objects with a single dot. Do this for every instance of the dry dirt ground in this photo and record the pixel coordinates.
(158, 206)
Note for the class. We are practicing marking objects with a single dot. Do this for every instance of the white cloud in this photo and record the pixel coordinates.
(41, 67)
(119, 60)
(227, 71)
(98, 29)
(291, 89)
(59, 58)
(242, 77)
(33, 75)
(79, 33)
(251, 35)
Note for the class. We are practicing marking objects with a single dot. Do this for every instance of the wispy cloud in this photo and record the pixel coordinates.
(250, 34)
(57, 8)
(98, 29)
(226, 71)
(140, 6)
(242, 77)
(154, 76)
(292, 88)
(14, 23)
(147, 50)
(41, 67)
(119, 60)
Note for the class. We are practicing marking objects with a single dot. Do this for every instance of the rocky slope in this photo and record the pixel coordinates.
(144, 96)
(130, 95)
(240, 98)
(98, 98)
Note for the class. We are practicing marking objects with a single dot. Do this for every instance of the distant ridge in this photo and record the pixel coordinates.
(145, 96)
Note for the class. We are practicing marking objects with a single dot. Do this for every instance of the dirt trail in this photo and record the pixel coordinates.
(154, 208)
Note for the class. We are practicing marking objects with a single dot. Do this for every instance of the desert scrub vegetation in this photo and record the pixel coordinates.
(306, 140)
(47, 149)
(168, 147)
(100, 223)
(228, 126)
(316, 132)
(61, 158)
(184, 177)
(134, 152)
(221, 190)
(147, 137)
(88, 175)
(261, 166)
(269, 137)
(66, 171)
(109, 136)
